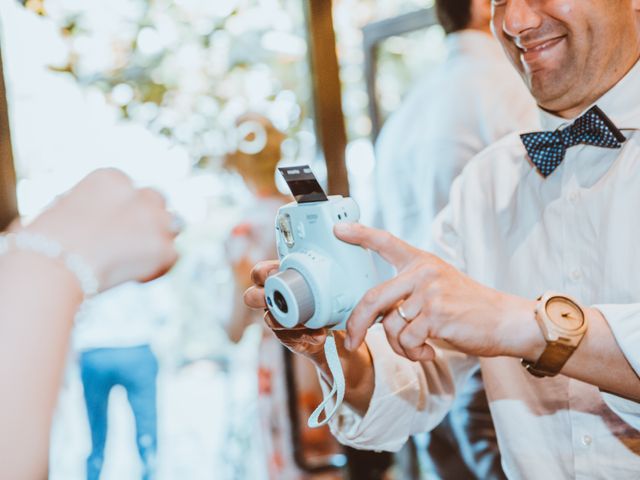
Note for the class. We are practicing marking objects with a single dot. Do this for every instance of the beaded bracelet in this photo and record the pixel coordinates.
(36, 243)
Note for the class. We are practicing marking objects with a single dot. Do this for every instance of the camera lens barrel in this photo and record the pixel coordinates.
(289, 298)
(280, 301)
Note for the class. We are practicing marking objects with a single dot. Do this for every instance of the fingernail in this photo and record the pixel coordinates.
(347, 343)
(270, 273)
(342, 227)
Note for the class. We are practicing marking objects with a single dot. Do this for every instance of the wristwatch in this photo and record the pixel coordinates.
(563, 324)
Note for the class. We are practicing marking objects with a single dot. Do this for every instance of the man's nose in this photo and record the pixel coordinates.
(521, 16)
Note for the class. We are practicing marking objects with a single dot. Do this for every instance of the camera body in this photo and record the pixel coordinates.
(321, 278)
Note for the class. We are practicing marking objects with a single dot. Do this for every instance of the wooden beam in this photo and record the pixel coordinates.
(8, 203)
(325, 72)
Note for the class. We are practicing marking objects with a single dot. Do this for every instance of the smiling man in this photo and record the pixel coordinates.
(535, 272)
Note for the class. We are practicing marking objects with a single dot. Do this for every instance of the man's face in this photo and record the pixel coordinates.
(569, 52)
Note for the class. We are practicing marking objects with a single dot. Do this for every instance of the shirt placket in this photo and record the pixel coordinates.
(574, 285)
(584, 442)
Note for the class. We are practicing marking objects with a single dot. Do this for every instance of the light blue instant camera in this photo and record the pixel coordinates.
(321, 278)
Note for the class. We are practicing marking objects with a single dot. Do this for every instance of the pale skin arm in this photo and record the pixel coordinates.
(38, 312)
(123, 234)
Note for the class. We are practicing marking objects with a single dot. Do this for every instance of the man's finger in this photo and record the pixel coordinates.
(393, 325)
(413, 339)
(254, 298)
(262, 270)
(422, 353)
(392, 249)
(376, 302)
(416, 333)
(271, 322)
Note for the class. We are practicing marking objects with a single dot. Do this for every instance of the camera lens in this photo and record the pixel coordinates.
(289, 298)
(281, 303)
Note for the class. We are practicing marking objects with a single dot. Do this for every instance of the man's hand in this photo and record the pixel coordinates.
(356, 364)
(304, 341)
(440, 304)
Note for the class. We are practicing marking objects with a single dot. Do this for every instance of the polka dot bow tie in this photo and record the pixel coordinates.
(547, 149)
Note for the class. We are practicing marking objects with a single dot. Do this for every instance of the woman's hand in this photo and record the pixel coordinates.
(122, 232)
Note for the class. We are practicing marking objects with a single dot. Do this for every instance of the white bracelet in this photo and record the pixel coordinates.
(32, 242)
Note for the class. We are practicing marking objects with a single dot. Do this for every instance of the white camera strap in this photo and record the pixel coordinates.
(337, 390)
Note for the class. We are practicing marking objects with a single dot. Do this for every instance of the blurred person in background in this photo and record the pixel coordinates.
(102, 233)
(253, 239)
(113, 339)
(255, 159)
(471, 100)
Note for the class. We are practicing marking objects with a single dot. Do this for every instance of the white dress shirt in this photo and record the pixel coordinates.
(574, 232)
(449, 117)
(121, 317)
(471, 100)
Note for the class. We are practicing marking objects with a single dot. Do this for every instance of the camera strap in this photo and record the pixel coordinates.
(337, 390)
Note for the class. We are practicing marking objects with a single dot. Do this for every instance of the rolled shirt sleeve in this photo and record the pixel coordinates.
(409, 397)
(624, 321)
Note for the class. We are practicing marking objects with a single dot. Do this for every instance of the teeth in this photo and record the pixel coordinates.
(539, 47)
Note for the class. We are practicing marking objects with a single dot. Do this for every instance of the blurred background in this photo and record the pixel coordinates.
(156, 88)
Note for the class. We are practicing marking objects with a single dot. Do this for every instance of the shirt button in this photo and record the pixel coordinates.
(586, 440)
(574, 196)
(576, 275)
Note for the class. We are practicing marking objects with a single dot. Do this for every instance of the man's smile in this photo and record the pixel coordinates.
(535, 54)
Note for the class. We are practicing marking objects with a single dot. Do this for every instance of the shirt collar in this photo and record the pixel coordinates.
(621, 104)
(473, 42)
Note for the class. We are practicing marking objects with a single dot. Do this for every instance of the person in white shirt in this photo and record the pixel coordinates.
(447, 118)
(113, 337)
(555, 215)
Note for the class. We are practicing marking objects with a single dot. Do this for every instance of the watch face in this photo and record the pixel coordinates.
(564, 313)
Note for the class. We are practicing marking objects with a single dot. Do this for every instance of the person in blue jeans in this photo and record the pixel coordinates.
(113, 338)
(136, 369)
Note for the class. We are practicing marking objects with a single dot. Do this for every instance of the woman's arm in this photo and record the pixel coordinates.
(121, 233)
(39, 299)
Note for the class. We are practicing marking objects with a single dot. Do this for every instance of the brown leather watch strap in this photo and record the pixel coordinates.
(551, 361)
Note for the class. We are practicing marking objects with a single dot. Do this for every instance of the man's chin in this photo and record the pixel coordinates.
(549, 87)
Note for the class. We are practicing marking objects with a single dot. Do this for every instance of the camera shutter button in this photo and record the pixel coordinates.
(300, 230)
